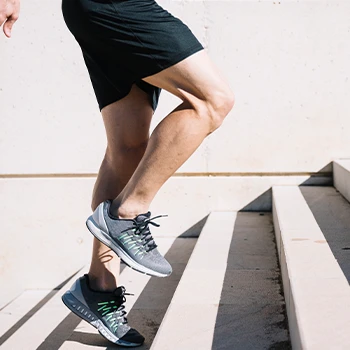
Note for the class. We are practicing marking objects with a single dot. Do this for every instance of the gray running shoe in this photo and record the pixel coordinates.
(104, 310)
(130, 239)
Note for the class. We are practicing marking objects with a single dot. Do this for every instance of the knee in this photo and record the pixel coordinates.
(219, 104)
(129, 148)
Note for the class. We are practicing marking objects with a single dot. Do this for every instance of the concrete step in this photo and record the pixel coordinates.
(229, 296)
(53, 326)
(197, 195)
(19, 311)
(341, 177)
(332, 214)
(316, 290)
(42, 322)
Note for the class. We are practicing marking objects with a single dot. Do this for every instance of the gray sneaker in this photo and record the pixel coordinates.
(130, 239)
(103, 310)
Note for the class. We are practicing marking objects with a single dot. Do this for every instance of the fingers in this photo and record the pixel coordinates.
(2, 19)
(9, 24)
(9, 12)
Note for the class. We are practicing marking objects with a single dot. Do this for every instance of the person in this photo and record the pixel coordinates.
(132, 50)
(9, 13)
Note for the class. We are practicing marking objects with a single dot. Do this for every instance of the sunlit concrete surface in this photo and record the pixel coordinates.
(316, 290)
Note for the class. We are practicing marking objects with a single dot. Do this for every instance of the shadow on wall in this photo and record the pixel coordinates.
(263, 203)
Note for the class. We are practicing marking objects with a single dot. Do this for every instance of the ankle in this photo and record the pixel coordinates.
(130, 213)
(102, 283)
(128, 210)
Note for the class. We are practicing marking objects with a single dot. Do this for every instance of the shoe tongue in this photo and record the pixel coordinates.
(142, 217)
(119, 292)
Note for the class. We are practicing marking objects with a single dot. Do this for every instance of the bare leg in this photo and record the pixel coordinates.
(127, 126)
(207, 100)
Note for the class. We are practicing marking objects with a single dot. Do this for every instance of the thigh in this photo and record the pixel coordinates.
(125, 41)
(128, 120)
(194, 78)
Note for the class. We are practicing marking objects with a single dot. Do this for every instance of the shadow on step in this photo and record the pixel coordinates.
(251, 313)
(149, 309)
(332, 213)
(263, 203)
(323, 177)
(33, 311)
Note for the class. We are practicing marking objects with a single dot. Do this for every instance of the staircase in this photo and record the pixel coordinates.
(241, 281)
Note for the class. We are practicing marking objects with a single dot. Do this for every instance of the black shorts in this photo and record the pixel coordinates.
(124, 41)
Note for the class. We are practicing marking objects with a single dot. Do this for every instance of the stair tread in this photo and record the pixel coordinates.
(316, 290)
(228, 250)
(332, 213)
(54, 326)
(199, 297)
(223, 291)
(19, 308)
(32, 333)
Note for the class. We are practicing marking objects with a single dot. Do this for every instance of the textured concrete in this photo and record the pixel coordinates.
(341, 175)
(227, 301)
(46, 239)
(316, 291)
(19, 308)
(251, 312)
(51, 124)
(197, 292)
(248, 300)
(49, 220)
(288, 84)
(52, 326)
(32, 333)
(273, 54)
(332, 213)
(252, 246)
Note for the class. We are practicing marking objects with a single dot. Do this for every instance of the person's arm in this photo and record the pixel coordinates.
(9, 12)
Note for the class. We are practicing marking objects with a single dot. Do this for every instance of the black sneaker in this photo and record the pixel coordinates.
(104, 310)
(130, 239)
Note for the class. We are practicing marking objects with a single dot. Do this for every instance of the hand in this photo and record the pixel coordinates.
(9, 12)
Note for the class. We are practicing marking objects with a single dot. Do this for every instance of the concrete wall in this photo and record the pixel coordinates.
(287, 62)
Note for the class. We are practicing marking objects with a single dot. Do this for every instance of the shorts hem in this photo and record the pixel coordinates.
(108, 102)
(176, 59)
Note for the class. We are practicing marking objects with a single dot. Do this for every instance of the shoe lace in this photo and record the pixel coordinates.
(114, 310)
(141, 228)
